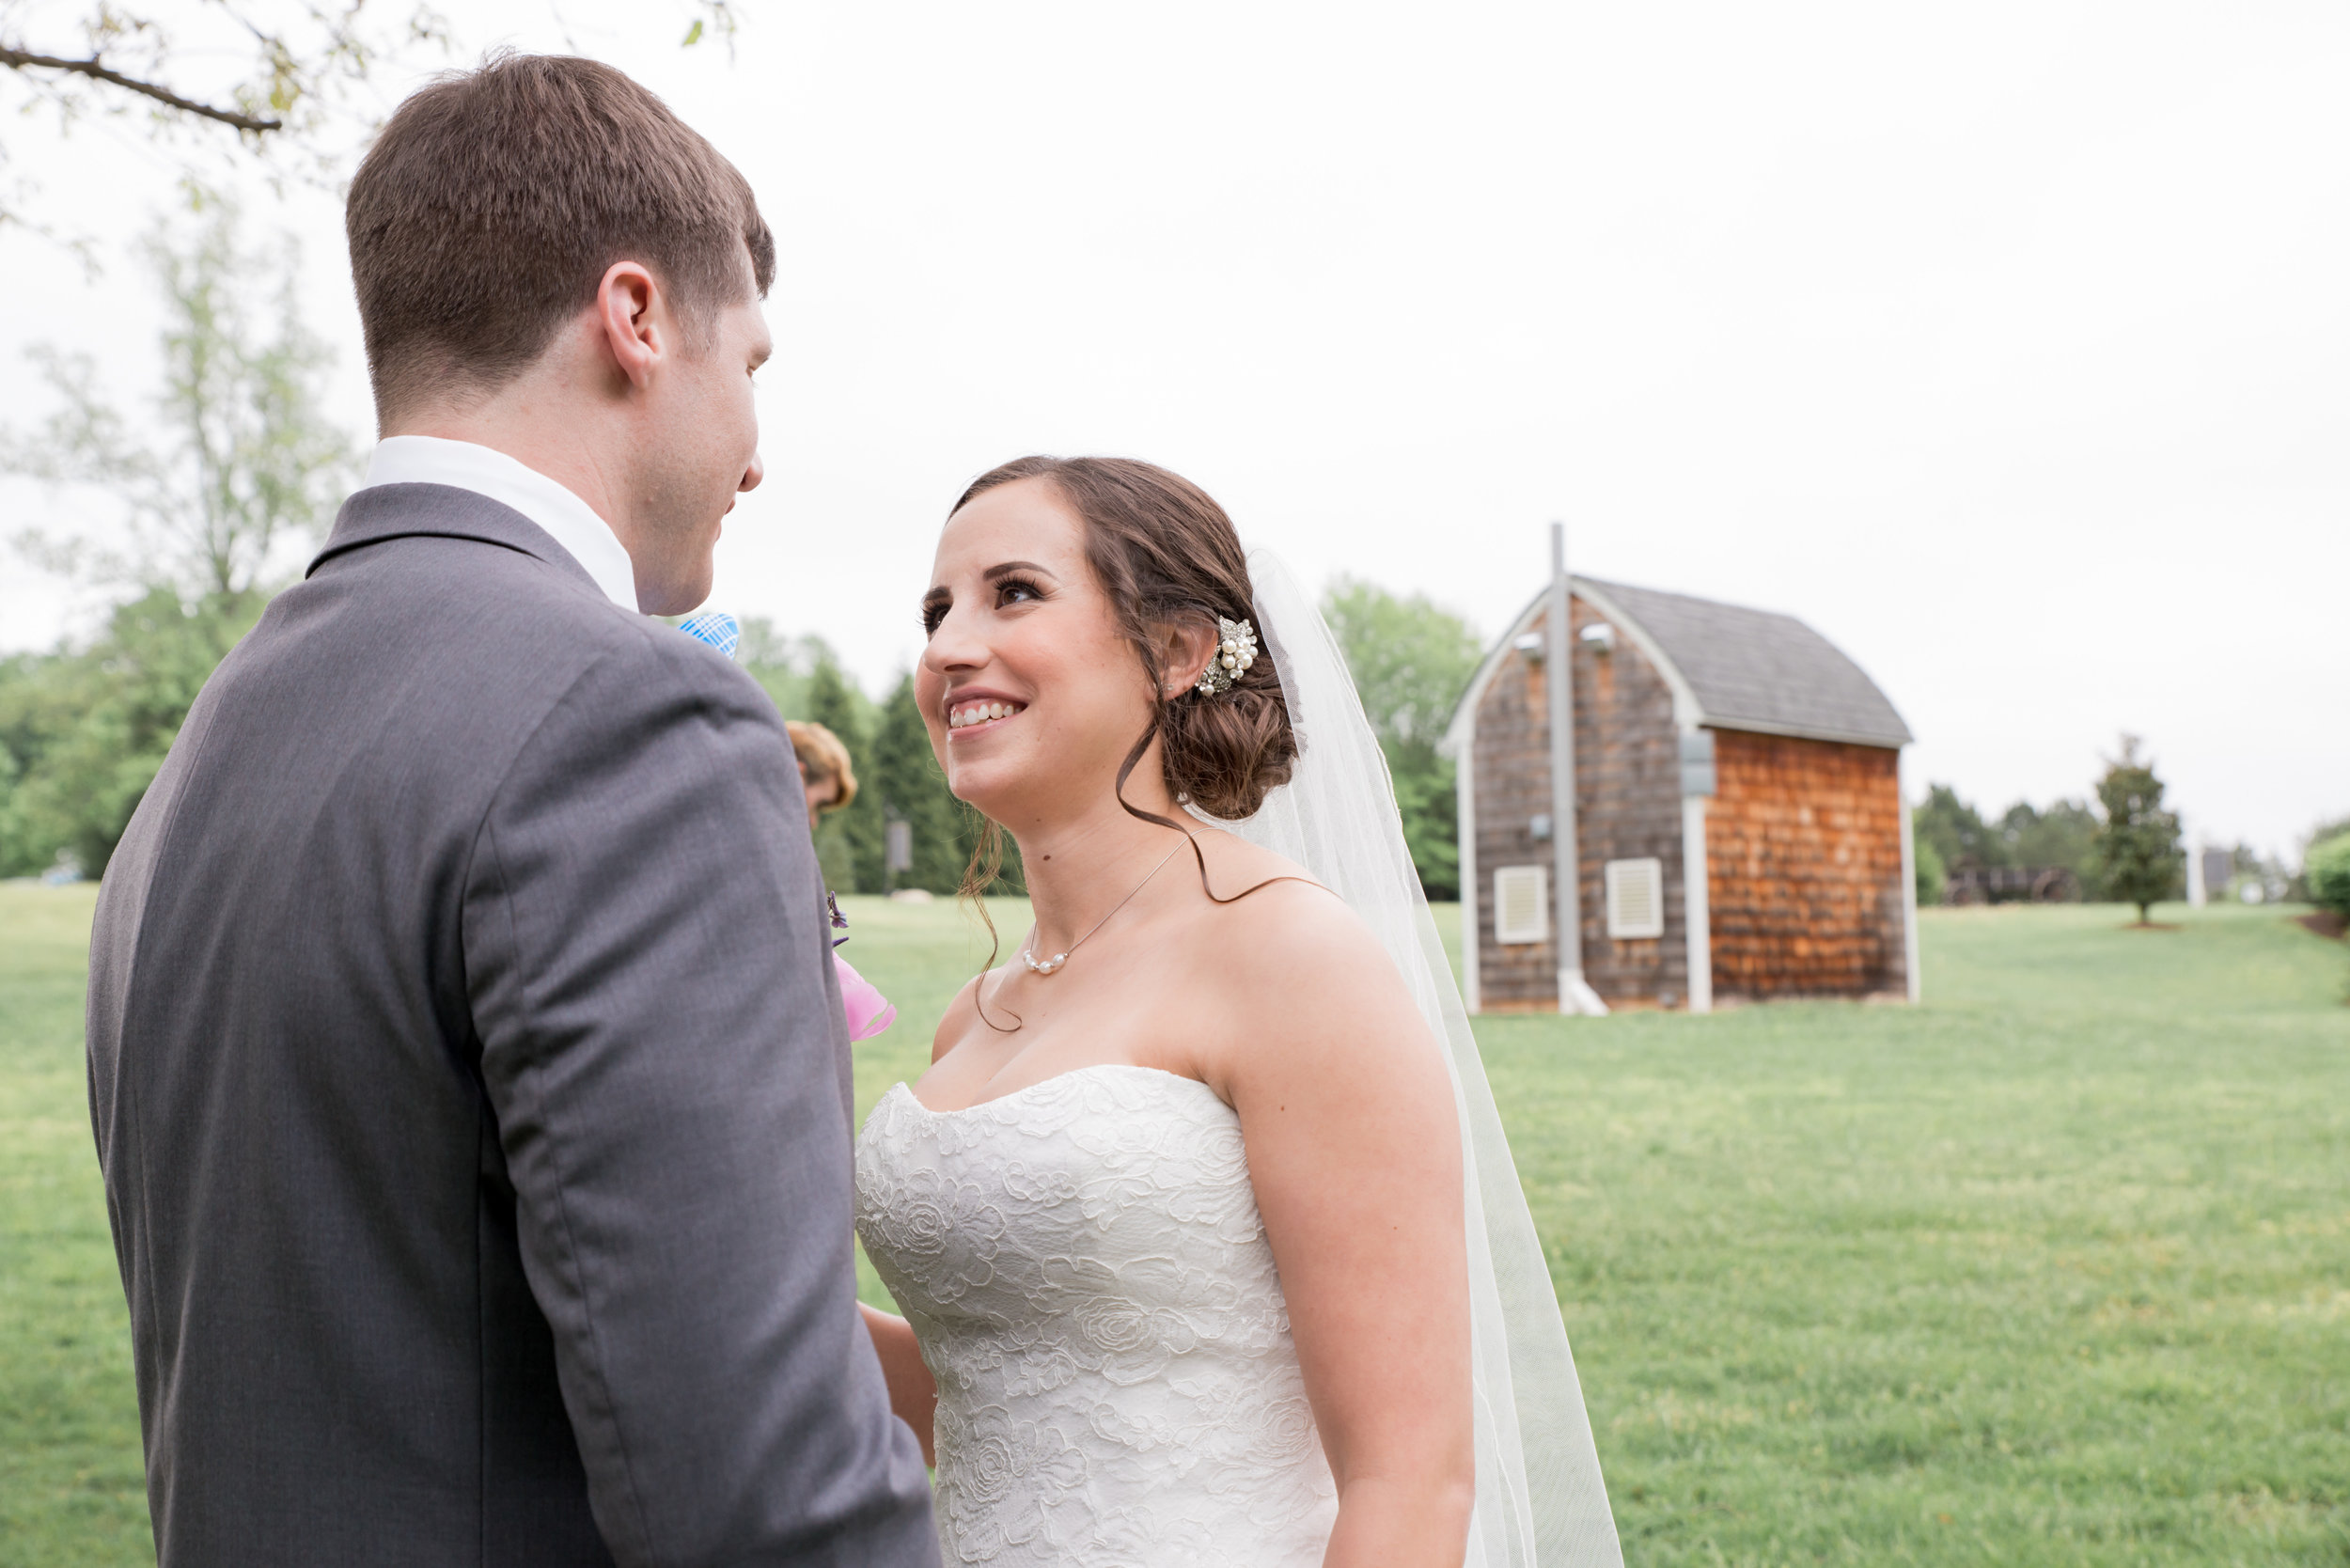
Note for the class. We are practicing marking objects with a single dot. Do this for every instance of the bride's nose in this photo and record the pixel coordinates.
(954, 646)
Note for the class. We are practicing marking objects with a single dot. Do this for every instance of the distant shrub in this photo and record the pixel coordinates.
(2327, 869)
(2297, 886)
(1932, 876)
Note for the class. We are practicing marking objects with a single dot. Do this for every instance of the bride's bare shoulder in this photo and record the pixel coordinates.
(1291, 962)
(1233, 863)
(1284, 921)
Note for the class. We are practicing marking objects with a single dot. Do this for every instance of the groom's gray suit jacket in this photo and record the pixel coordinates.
(470, 1081)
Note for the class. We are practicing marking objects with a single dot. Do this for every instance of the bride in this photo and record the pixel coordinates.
(1209, 1247)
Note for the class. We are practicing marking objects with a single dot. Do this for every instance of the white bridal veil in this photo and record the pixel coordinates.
(1540, 1500)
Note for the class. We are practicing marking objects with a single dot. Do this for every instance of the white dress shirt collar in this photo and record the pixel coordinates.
(486, 471)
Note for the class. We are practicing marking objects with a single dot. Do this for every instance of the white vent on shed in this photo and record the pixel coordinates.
(1636, 899)
(1521, 904)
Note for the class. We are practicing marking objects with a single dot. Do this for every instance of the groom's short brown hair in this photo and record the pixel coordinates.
(495, 201)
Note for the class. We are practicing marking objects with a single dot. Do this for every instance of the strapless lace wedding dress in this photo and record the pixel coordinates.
(1084, 1265)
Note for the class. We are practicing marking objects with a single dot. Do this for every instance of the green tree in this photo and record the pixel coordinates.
(1933, 879)
(82, 733)
(2331, 828)
(2297, 886)
(2059, 837)
(2327, 867)
(216, 513)
(1957, 832)
(2062, 836)
(1410, 661)
(804, 677)
(909, 787)
(2137, 851)
(779, 664)
(248, 473)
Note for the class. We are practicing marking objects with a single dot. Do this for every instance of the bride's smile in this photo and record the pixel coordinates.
(975, 711)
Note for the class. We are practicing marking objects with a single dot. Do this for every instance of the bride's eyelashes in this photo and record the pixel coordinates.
(1010, 590)
(1017, 591)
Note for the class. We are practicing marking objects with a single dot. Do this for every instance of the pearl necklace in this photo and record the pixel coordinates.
(1050, 966)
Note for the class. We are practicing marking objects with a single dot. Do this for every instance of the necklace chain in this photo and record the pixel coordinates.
(1047, 966)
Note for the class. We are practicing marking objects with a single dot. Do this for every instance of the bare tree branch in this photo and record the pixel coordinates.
(19, 60)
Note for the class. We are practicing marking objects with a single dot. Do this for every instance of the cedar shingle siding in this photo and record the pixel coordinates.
(1512, 726)
(1627, 805)
(1804, 843)
(1803, 838)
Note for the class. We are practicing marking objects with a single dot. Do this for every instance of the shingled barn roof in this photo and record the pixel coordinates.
(1757, 670)
(1734, 668)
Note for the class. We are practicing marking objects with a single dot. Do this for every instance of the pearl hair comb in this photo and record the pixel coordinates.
(1235, 652)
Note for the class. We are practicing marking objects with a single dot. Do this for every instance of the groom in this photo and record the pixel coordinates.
(466, 1061)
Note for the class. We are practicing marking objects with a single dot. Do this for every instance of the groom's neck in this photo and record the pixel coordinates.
(565, 449)
(567, 414)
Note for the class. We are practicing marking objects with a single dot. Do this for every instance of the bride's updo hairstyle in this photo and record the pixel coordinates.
(1165, 555)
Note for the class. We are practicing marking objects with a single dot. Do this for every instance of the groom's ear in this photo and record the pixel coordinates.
(638, 329)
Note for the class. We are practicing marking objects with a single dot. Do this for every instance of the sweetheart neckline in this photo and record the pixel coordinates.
(1041, 1083)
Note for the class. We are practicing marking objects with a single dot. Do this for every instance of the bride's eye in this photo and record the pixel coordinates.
(934, 611)
(1017, 591)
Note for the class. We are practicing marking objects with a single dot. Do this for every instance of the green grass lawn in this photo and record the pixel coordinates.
(71, 1487)
(2055, 1269)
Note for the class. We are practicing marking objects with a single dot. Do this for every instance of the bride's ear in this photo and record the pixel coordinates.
(1183, 648)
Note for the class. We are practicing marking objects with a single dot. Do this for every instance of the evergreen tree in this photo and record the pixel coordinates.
(909, 787)
(849, 842)
(803, 676)
(2136, 851)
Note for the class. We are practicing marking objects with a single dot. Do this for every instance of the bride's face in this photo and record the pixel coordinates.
(1032, 696)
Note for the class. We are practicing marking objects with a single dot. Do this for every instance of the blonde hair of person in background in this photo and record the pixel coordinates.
(831, 784)
(825, 770)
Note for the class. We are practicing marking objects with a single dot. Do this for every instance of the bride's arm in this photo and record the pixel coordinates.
(1353, 1149)
(913, 1396)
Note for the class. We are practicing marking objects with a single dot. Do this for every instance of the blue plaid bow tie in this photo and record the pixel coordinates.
(718, 629)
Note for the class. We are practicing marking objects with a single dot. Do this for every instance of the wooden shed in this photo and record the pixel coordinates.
(1735, 744)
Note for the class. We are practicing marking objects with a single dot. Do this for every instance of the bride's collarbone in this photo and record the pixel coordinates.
(1144, 979)
(1036, 1028)
(1160, 990)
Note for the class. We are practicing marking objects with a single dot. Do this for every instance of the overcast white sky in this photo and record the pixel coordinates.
(2005, 344)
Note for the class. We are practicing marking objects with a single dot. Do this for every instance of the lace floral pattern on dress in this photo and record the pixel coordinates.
(1083, 1265)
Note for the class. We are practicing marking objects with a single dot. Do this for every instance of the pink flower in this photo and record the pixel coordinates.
(869, 1011)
